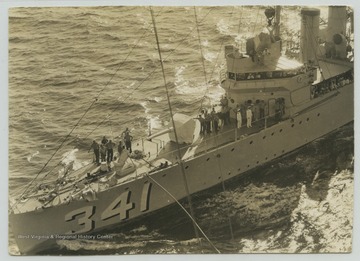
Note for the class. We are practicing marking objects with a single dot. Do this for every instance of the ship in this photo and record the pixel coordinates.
(274, 104)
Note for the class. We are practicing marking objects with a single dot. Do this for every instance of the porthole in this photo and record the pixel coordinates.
(251, 142)
(232, 149)
(218, 155)
(318, 114)
(248, 166)
(280, 130)
(300, 122)
(239, 169)
(219, 177)
(266, 158)
(307, 119)
(186, 167)
(274, 154)
(283, 151)
(127, 188)
(164, 175)
(257, 162)
(229, 173)
(272, 134)
(292, 125)
(264, 137)
(207, 159)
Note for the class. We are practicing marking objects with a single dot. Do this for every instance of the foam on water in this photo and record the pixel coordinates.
(316, 226)
(29, 158)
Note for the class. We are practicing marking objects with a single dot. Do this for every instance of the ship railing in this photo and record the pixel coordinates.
(226, 135)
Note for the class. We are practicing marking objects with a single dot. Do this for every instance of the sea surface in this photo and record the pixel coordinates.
(79, 73)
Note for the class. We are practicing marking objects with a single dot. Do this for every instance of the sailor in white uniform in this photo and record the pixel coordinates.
(248, 117)
(239, 119)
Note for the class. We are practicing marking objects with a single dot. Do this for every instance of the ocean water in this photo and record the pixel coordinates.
(100, 65)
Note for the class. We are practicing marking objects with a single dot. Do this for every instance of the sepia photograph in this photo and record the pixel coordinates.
(220, 129)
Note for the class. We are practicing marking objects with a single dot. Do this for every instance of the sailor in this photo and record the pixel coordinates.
(110, 150)
(104, 140)
(207, 122)
(227, 114)
(126, 131)
(257, 110)
(249, 115)
(95, 147)
(202, 122)
(128, 138)
(120, 147)
(239, 118)
(224, 101)
(262, 109)
(102, 152)
(215, 120)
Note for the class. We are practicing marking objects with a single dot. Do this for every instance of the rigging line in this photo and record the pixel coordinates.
(77, 123)
(256, 21)
(221, 45)
(173, 123)
(150, 74)
(51, 157)
(202, 55)
(233, 63)
(127, 56)
(240, 18)
(222, 181)
(213, 70)
(187, 213)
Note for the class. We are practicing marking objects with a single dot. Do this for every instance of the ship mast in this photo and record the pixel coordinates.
(277, 20)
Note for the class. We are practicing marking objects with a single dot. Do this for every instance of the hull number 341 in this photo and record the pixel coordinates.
(118, 209)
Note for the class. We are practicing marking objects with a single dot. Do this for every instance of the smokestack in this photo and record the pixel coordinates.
(309, 46)
(336, 30)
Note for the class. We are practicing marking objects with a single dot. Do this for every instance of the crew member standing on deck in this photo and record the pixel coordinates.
(215, 120)
(248, 117)
(239, 119)
(110, 150)
(120, 147)
(95, 147)
(104, 140)
(102, 152)
(128, 138)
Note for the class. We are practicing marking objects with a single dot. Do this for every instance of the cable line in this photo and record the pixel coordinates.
(173, 123)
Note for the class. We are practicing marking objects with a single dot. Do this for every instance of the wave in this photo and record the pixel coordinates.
(29, 158)
(316, 226)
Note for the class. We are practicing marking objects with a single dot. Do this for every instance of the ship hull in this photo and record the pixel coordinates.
(36, 230)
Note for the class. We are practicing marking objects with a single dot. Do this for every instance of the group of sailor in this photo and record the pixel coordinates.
(332, 84)
(268, 74)
(104, 151)
(250, 111)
